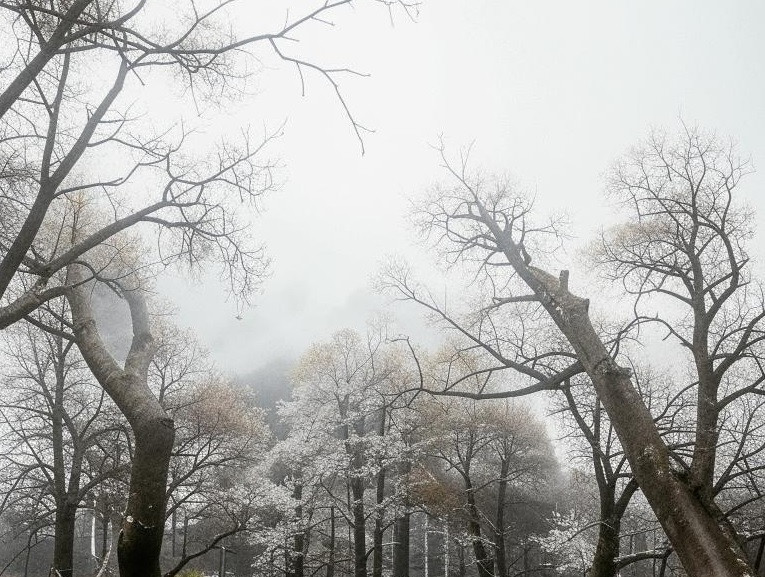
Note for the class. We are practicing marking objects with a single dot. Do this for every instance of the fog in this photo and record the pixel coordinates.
(550, 93)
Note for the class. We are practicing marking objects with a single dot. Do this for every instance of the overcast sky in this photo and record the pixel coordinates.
(550, 92)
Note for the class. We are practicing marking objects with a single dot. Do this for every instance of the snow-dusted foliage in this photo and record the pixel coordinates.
(570, 542)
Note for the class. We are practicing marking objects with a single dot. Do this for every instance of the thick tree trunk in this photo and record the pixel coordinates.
(140, 541)
(401, 531)
(63, 548)
(703, 546)
(607, 549)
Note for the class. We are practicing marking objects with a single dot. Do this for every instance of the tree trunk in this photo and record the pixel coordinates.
(758, 558)
(607, 549)
(426, 549)
(446, 548)
(331, 559)
(140, 541)
(377, 541)
(105, 532)
(359, 528)
(484, 563)
(377, 544)
(704, 548)
(401, 527)
(63, 548)
(499, 526)
(295, 559)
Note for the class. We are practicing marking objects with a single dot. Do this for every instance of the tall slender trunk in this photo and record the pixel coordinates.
(499, 524)
(379, 530)
(105, 533)
(446, 548)
(426, 549)
(377, 539)
(401, 529)
(484, 563)
(758, 558)
(295, 557)
(66, 488)
(173, 531)
(331, 558)
(359, 528)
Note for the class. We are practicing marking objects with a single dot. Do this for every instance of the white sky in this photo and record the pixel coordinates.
(550, 92)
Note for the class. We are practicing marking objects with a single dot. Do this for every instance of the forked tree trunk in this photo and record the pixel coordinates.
(702, 545)
(140, 540)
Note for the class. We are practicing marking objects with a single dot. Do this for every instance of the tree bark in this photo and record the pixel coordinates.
(401, 529)
(359, 528)
(607, 549)
(331, 558)
(379, 530)
(499, 526)
(63, 548)
(140, 540)
(295, 559)
(484, 563)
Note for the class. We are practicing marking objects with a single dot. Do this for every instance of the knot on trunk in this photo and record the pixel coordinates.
(608, 367)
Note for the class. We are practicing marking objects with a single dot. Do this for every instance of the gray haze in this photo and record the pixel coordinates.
(550, 92)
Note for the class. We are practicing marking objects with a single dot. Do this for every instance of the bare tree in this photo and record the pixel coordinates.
(140, 540)
(61, 432)
(54, 135)
(484, 222)
(683, 257)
